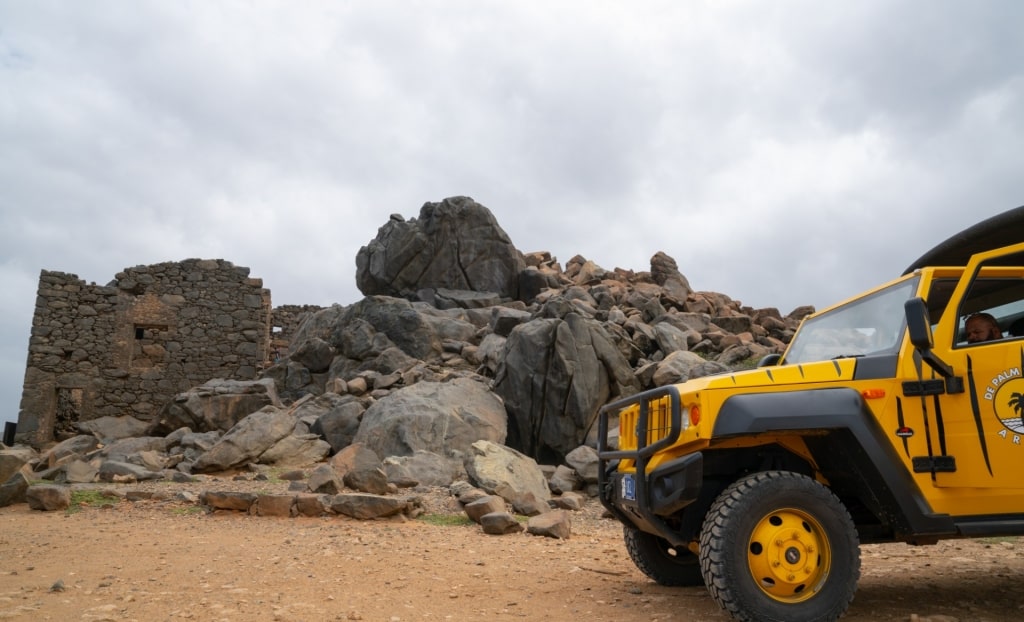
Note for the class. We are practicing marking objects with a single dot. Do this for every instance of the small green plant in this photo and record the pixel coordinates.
(81, 498)
(446, 520)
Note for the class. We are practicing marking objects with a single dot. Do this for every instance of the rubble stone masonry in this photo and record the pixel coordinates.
(128, 347)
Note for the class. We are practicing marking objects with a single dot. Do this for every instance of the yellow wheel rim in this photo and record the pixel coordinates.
(789, 555)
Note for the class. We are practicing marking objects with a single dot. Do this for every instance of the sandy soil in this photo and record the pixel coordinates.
(167, 560)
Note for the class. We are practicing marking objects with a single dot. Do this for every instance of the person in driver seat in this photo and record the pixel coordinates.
(982, 327)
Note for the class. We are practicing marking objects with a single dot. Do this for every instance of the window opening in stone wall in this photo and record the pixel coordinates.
(148, 349)
(69, 410)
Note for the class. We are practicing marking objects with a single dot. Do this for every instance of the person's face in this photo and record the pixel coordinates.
(978, 330)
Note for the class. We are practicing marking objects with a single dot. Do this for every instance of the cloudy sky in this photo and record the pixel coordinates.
(784, 153)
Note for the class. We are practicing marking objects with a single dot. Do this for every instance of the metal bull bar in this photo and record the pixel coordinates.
(641, 455)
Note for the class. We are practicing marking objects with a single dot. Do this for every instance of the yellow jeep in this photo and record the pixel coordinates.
(880, 423)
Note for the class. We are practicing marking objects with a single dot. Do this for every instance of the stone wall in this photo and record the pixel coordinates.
(128, 347)
(286, 320)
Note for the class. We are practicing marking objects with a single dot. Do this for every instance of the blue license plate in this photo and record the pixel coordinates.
(628, 488)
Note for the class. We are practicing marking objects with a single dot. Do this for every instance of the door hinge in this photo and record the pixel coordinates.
(924, 387)
(938, 464)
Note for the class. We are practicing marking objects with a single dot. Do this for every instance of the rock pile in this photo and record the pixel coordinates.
(468, 363)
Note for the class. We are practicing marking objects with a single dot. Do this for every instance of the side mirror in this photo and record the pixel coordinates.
(919, 327)
(918, 324)
(769, 359)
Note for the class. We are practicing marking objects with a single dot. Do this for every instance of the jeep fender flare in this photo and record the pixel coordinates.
(855, 456)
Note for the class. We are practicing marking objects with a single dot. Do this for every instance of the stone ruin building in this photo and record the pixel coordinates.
(128, 347)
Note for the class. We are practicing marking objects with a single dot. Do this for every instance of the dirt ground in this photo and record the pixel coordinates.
(168, 560)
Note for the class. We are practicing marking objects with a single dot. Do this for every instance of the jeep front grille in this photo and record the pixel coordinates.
(648, 422)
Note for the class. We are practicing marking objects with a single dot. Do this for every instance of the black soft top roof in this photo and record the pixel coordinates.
(999, 230)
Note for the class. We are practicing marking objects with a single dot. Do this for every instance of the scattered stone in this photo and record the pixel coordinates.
(48, 498)
(365, 506)
(554, 524)
(236, 501)
(275, 505)
(488, 504)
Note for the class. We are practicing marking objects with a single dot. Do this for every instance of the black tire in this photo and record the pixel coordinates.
(779, 546)
(659, 560)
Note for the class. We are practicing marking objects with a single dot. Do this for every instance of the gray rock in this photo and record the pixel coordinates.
(443, 418)
(324, 479)
(444, 298)
(366, 506)
(310, 505)
(228, 500)
(681, 366)
(504, 319)
(217, 405)
(246, 441)
(554, 524)
(361, 469)
(454, 244)
(487, 504)
(504, 471)
(12, 459)
(115, 471)
(491, 352)
(275, 505)
(666, 273)
(569, 501)
(48, 498)
(80, 472)
(669, 338)
(734, 324)
(75, 446)
(500, 524)
(556, 375)
(376, 323)
(370, 480)
(337, 418)
(584, 462)
(424, 467)
(13, 489)
(124, 450)
(113, 428)
(563, 480)
(296, 451)
(314, 354)
(528, 504)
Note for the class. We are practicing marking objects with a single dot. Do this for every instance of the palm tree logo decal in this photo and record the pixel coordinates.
(1017, 404)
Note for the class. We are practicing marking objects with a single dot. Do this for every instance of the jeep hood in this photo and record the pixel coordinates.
(800, 376)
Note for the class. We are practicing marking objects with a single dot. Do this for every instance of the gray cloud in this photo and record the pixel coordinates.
(783, 154)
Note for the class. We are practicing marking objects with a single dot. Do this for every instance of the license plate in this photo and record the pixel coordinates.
(628, 488)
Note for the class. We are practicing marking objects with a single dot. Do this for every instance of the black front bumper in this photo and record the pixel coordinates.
(643, 499)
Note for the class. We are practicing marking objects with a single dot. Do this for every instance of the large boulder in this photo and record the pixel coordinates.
(12, 459)
(665, 273)
(246, 441)
(423, 468)
(681, 366)
(217, 405)
(440, 417)
(456, 244)
(505, 472)
(556, 375)
(108, 428)
(335, 418)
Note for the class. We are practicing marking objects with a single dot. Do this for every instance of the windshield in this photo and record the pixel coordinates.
(872, 325)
